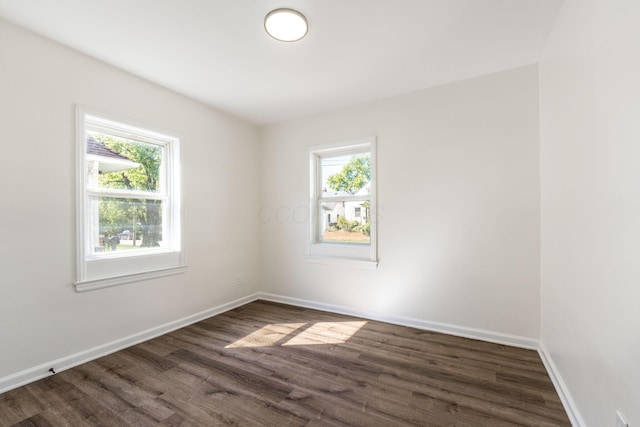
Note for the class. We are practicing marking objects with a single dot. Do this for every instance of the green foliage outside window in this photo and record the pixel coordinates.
(353, 176)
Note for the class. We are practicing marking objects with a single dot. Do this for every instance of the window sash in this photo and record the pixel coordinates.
(94, 194)
(93, 233)
(164, 176)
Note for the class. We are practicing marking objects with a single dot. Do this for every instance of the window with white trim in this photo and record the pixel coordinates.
(343, 203)
(128, 203)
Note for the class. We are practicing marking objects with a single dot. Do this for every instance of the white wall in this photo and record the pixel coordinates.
(458, 183)
(459, 180)
(42, 318)
(590, 205)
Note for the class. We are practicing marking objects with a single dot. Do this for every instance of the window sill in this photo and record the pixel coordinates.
(349, 262)
(107, 282)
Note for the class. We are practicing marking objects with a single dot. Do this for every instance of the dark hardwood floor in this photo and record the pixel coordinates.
(276, 365)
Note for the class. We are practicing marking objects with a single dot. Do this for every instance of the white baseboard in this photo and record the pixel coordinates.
(461, 331)
(41, 371)
(561, 388)
(38, 372)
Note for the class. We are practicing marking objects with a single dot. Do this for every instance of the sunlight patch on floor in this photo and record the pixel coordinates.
(267, 336)
(326, 333)
(290, 334)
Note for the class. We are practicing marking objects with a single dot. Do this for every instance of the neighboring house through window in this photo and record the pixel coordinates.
(343, 200)
(128, 203)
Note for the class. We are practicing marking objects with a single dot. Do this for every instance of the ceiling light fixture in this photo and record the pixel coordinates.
(286, 25)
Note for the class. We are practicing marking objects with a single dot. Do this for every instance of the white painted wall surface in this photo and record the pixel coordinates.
(590, 205)
(42, 318)
(458, 195)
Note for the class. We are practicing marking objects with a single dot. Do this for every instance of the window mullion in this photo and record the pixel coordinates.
(125, 194)
(334, 199)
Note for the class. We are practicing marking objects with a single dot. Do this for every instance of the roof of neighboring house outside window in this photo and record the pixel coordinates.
(109, 160)
(99, 149)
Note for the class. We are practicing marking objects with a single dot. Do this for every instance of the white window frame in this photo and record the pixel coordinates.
(100, 270)
(351, 254)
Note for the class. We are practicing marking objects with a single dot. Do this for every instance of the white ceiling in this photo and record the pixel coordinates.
(216, 51)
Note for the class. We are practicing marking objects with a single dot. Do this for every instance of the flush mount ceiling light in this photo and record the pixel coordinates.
(286, 25)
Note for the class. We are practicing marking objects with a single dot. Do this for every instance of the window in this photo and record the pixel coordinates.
(128, 203)
(343, 202)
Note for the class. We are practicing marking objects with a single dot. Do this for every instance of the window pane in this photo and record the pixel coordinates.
(343, 175)
(344, 222)
(124, 164)
(126, 224)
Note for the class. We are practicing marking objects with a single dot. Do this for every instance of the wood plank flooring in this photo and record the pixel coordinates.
(267, 364)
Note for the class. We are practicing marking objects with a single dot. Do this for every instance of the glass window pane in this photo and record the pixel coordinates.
(123, 164)
(345, 222)
(126, 225)
(343, 175)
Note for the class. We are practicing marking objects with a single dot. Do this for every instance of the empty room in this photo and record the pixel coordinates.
(320, 213)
